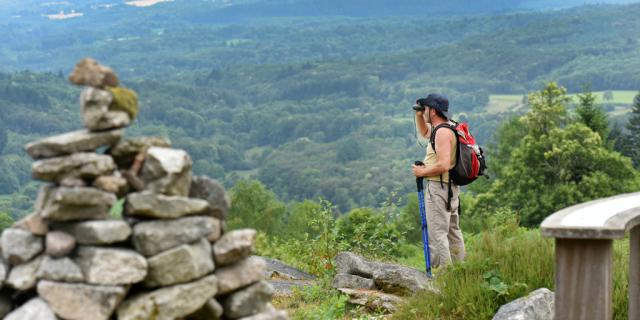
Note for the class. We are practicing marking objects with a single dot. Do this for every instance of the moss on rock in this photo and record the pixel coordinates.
(124, 100)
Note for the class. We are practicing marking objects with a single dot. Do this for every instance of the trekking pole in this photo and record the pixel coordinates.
(423, 216)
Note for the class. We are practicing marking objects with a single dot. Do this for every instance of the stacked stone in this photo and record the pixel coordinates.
(166, 258)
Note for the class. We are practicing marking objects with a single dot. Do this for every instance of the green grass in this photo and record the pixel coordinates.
(512, 102)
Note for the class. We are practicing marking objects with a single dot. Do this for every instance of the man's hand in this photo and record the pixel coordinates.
(419, 171)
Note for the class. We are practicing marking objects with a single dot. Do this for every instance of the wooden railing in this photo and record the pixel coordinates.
(584, 236)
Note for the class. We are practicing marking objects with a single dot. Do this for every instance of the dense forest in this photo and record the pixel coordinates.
(314, 107)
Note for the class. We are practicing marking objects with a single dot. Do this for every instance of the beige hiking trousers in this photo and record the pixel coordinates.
(445, 237)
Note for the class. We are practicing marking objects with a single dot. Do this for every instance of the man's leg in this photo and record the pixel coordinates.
(456, 241)
(438, 224)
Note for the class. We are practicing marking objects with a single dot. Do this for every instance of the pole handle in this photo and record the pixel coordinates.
(419, 180)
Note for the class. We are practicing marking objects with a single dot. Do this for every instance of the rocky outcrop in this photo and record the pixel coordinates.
(537, 305)
(155, 260)
(376, 284)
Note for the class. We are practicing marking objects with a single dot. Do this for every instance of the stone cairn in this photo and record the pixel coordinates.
(166, 258)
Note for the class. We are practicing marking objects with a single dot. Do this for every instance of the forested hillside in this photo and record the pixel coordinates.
(311, 107)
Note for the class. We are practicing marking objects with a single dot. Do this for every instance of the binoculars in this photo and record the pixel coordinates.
(420, 105)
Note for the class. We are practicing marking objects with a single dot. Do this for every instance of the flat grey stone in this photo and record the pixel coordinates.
(211, 310)
(152, 237)
(537, 305)
(169, 303)
(98, 232)
(65, 204)
(77, 165)
(59, 244)
(153, 205)
(286, 287)
(280, 270)
(19, 245)
(248, 301)
(126, 150)
(203, 187)
(72, 142)
(94, 106)
(167, 171)
(181, 264)
(24, 276)
(350, 263)
(75, 301)
(373, 300)
(34, 309)
(110, 266)
(113, 184)
(234, 246)
(343, 280)
(240, 274)
(62, 269)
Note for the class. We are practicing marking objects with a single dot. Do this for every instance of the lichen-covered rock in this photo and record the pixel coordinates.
(211, 310)
(75, 301)
(72, 142)
(169, 303)
(19, 245)
(240, 274)
(234, 246)
(78, 165)
(180, 264)
(167, 171)
(349, 281)
(152, 205)
(34, 224)
(248, 301)
(88, 72)
(23, 277)
(34, 309)
(111, 266)
(397, 279)
(62, 269)
(59, 244)
(537, 305)
(65, 204)
(94, 105)
(125, 100)
(152, 237)
(203, 187)
(98, 232)
(373, 300)
(126, 150)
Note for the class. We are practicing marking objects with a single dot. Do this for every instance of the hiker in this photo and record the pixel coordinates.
(441, 199)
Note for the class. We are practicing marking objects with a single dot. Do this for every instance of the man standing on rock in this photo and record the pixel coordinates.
(445, 237)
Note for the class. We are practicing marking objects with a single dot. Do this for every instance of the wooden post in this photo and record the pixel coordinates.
(634, 274)
(584, 283)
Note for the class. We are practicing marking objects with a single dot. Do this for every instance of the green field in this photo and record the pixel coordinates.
(512, 102)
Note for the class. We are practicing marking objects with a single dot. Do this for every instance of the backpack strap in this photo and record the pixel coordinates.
(432, 140)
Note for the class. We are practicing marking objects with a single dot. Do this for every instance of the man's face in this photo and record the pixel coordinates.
(427, 114)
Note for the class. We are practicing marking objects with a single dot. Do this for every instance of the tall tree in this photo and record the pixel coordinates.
(631, 139)
(592, 114)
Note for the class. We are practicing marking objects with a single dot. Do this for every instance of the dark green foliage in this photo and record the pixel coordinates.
(365, 231)
(5, 221)
(591, 115)
(630, 142)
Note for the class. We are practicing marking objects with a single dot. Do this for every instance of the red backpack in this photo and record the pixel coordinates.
(470, 159)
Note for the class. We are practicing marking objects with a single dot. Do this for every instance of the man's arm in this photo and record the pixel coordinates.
(423, 127)
(443, 154)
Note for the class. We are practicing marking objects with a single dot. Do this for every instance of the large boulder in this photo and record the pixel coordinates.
(247, 301)
(169, 303)
(203, 187)
(397, 279)
(19, 245)
(349, 281)
(34, 309)
(72, 142)
(78, 165)
(75, 301)
(167, 171)
(152, 237)
(24, 276)
(240, 274)
(126, 150)
(234, 246)
(180, 264)
(537, 305)
(62, 269)
(372, 299)
(152, 205)
(110, 266)
(351, 263)
(88, 72)
(95, 106)
(64, 204)
(98, 232)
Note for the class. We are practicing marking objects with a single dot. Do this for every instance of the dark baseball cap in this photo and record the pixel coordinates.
(438, 102)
